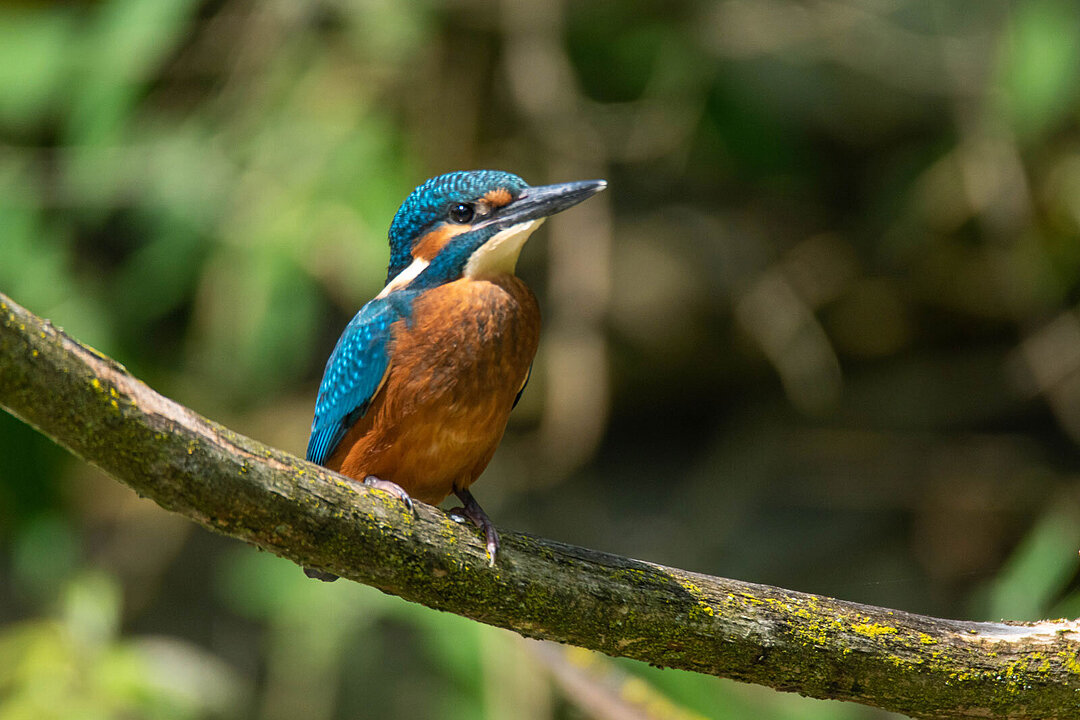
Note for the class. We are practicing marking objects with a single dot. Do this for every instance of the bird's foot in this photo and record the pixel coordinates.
(378, 484)
(393, 488)
(473, 512)
(320, 575)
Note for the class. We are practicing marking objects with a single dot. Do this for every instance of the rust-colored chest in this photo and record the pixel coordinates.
(456, 366)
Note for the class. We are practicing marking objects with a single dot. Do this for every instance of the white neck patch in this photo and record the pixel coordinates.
(404, 277)
(499, 255)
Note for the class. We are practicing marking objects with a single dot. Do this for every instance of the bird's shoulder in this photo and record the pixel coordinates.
(354, 372)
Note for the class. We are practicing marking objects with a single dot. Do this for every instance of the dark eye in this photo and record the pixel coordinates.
(461, 213)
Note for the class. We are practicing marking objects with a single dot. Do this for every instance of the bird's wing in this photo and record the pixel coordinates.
(353, 375)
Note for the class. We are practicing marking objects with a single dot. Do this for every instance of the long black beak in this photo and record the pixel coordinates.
(545, 200)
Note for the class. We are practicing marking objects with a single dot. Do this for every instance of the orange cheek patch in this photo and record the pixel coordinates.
(498, 198)
(430, 245)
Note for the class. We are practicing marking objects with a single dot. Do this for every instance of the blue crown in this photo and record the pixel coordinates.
(430, 201)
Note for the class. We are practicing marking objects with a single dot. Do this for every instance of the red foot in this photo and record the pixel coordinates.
(378, 484)
(391, 487)
(472, 511)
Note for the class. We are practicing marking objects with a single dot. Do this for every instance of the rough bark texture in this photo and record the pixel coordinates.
(813, 645)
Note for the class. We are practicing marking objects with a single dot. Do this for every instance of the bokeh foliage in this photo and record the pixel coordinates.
(820, 332)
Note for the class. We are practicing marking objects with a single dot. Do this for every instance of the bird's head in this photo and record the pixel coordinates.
(471, 224)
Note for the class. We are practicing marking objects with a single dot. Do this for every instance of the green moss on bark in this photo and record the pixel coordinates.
(809, 644)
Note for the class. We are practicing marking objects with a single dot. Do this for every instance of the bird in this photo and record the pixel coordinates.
(416, 394)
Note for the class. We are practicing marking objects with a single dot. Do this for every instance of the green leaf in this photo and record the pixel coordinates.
(35, 56)
(1040, 64)
(1039, 568)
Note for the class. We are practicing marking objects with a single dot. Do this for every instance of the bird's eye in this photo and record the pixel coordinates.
(461, 213)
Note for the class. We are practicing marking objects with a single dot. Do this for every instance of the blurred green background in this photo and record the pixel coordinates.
(821, 331)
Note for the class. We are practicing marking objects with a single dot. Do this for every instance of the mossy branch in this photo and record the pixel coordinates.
(793, 641)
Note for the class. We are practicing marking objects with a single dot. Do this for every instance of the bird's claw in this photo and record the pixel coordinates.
(320, 575)
(475, 514)
(393, 488)
(378, 484)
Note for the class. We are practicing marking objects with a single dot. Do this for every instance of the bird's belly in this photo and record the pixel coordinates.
(441, 448)
(455, 371)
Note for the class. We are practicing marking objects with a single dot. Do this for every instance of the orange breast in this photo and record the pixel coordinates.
(454, 372)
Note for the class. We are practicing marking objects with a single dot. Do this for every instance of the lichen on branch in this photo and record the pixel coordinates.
(813, 645)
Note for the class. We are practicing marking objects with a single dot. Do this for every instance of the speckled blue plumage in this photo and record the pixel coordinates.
(356, 367)
(353, 374)
(429, 202)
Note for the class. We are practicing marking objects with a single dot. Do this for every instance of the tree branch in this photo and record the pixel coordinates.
(792, 641)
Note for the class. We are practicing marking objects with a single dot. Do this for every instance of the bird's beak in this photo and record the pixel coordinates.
(544, 200)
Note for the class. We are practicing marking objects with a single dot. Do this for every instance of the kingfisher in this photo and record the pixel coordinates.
(417, 392)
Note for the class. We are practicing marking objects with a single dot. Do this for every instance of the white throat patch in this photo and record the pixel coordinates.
(499, 255)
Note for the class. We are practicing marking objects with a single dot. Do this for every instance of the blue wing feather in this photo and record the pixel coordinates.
(352, 376)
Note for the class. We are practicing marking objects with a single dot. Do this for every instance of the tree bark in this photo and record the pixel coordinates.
(817, 646)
